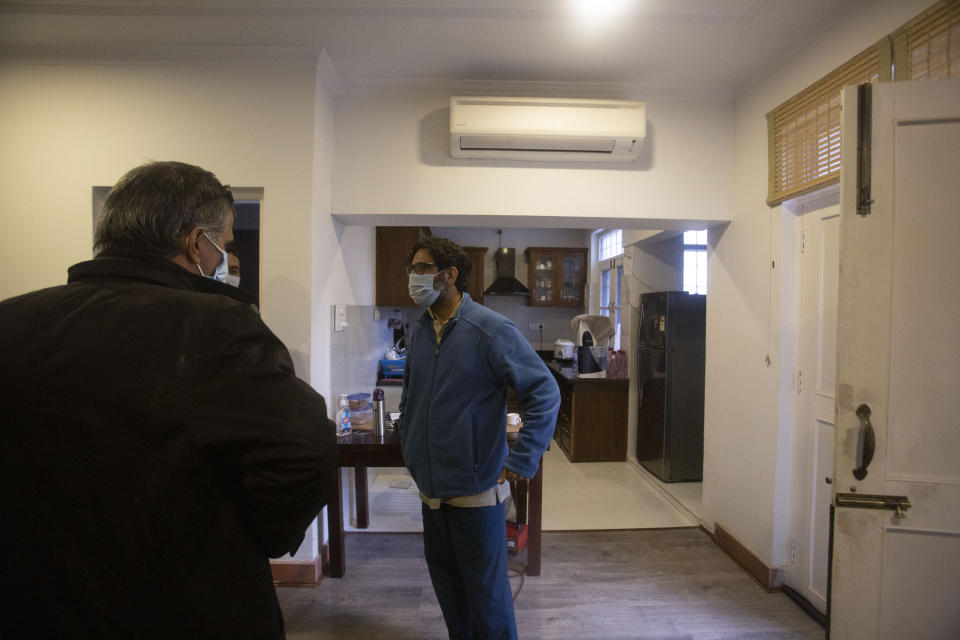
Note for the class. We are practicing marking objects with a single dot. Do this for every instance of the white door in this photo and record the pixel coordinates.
(819, 254)
(899, 356)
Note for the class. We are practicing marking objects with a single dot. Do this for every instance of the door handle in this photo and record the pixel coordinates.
(866, 442)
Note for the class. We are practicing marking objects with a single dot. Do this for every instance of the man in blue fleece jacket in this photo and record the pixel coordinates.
(461, 359)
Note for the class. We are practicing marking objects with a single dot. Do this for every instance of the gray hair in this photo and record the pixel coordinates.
(152, 207)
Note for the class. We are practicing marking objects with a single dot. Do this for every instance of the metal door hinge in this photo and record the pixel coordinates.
(803, 242)
(799, 382)
(867, 501)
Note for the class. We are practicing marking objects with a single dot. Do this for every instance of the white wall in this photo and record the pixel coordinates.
(68, 128)
(748, 438)
(392, 157)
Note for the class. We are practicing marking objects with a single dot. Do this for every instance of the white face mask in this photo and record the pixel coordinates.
(222, 271)
(232, 280)
(421, 288)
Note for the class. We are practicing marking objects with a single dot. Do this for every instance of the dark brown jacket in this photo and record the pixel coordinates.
(157, 448)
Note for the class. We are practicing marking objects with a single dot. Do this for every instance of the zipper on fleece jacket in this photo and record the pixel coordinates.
(426, 432)
(433, 378)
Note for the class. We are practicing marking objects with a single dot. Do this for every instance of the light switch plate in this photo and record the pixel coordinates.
(339, 317)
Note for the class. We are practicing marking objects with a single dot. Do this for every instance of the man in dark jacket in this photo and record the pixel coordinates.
(157, 446)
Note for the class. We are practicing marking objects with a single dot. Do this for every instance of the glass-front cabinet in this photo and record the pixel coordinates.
(556, 276)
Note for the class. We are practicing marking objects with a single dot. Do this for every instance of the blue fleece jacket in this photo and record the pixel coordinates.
(454, 402)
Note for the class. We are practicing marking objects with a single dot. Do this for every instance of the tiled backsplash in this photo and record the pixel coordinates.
(555, 320)
(356, 351)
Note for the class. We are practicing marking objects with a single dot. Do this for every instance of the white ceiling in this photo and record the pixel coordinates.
(695, 49)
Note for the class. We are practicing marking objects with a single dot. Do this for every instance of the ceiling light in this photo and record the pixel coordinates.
(599, 11)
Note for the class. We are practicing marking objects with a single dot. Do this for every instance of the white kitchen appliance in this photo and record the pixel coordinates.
(563, 349)
(592, 333)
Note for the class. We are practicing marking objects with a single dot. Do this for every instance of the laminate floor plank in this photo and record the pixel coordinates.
(663, 584)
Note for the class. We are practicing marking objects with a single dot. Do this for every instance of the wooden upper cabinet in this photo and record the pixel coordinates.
(556, 276)
(478, 260)
(393, 246)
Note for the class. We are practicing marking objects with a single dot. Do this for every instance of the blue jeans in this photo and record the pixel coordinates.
(466, 552)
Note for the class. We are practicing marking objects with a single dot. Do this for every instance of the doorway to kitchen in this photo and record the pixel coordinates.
(576, 495)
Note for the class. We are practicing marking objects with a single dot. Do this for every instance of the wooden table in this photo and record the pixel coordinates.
(363, 449)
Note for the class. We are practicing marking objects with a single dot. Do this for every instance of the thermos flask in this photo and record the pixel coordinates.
(379, 417)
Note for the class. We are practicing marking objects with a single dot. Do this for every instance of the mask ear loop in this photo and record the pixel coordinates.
(437, 276)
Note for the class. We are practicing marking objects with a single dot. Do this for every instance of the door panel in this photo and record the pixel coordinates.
(828, 258)
(820, 512)
(899, 354)
(926, 303)
(819, 273)
(914, 563)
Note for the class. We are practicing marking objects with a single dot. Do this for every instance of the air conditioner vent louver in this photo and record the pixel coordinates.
(544, 129)
(535, 143)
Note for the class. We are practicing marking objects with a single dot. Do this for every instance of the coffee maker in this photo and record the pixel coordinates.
(592, 333)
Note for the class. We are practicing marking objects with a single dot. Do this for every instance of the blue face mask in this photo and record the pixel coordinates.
(421, 288)
(220, 273)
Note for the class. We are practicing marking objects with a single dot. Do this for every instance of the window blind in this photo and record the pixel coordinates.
(804, 131)
(928, 47)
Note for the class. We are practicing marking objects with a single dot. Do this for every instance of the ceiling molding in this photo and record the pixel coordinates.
(159, 55)
(424, 9)
(327, 72)
(533, 88)
(523, 221)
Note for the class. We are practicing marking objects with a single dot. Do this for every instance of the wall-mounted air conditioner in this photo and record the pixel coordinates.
(546, 129)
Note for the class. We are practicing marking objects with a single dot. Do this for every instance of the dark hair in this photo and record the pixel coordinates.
(152, 207)
(445, 253)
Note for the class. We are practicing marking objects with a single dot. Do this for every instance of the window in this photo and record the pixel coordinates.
(695, 261)
(610, 244)
(610, 297)
(804, 131)
(928, 47)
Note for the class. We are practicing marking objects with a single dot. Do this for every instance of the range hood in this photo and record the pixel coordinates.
(506, 283)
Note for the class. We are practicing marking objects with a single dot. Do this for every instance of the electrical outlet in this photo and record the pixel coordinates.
(533, 326)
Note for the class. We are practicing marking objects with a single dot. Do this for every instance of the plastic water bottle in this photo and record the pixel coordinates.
(343, 416)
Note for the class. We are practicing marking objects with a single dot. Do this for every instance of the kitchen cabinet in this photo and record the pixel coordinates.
(592, 422)
(478, 260)
(393, 245)
(557, 276)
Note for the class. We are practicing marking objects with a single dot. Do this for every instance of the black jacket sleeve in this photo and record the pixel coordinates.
(265, 431)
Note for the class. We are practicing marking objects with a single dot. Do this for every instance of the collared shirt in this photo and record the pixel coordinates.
(438, 324)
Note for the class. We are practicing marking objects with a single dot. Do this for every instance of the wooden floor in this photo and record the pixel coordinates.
(661, 583)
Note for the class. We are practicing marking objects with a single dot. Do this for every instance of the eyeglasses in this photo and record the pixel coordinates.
(224, 192)
(419, 268)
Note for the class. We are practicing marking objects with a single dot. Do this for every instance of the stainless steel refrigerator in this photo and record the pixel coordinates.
(670, 384)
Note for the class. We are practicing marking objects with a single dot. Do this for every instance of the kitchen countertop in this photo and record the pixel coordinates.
(569, 373)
